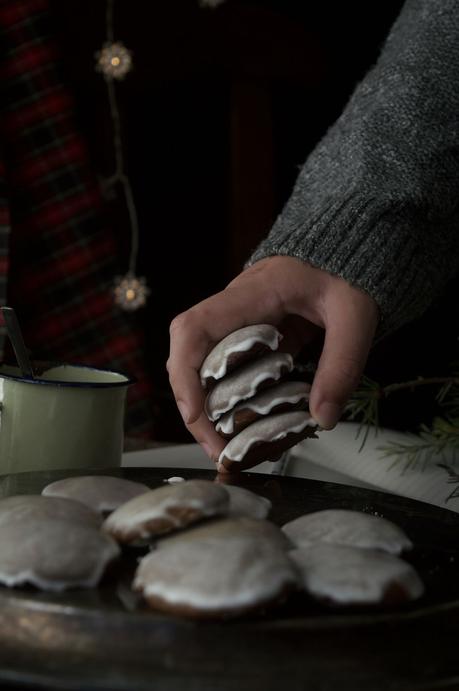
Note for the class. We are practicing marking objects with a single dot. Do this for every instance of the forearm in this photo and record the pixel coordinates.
(377, 201)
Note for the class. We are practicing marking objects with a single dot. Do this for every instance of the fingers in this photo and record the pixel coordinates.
(204, 433)
(351, 319)
(195, 332)
(300, 300)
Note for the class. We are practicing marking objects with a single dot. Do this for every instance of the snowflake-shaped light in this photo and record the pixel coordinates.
(130, 292)
(114, 60)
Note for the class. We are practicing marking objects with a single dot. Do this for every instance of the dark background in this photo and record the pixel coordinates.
(219, 112)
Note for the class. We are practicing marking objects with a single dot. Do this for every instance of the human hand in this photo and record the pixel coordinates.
(299, 300)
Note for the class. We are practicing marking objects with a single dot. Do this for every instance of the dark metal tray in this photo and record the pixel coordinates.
(106, 639)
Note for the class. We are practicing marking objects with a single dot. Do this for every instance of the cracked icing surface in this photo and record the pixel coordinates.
(348, 575)
(340, 526)
(244, 382)
(100, 492)
(242, 340)
(291, 392)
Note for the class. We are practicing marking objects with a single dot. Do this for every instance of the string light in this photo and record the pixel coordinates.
(114, 61)
(211, 3)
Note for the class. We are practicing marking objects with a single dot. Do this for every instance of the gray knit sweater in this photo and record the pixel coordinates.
(377, 201)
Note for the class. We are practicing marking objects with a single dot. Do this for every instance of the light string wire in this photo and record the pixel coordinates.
(120, 176)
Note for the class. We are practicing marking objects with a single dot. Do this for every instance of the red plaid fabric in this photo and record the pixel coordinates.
(62, 259)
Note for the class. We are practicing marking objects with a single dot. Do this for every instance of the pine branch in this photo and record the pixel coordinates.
(441, 438)
(364, 407)
(430, 442)
(453, 478)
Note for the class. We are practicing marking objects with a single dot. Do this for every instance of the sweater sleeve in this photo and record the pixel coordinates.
(377, 201)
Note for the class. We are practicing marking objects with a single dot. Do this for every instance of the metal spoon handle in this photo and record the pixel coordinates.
(17, 341)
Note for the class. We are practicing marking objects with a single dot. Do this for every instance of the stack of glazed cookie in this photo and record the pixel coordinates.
(249, 400)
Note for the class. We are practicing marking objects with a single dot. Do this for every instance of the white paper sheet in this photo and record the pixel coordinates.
(338, 451)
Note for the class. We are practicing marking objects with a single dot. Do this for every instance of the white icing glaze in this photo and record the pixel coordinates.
(54, 554)
(243, 502)
(206, 497)
(216, 362)
(224, 528)
(100, 492)
(269, 429)
(349, 575)
(244, 382)
(285, 392)
(189, 572)
(340, 526)
(35, 507)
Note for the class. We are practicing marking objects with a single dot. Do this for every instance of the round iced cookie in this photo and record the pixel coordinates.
(245, 382)
(236, 348)
(100, 492)
(167, 508)
(225, 573)
(344, 575)
(53, 554)
(344, 527)
(224, 528)
(30, 508)
(288, 395)
(266, 439)
(243, 502)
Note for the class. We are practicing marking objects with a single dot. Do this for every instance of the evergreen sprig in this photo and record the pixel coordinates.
(453, 478)
(430, 442)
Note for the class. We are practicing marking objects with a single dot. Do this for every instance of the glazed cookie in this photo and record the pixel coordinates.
(266, 439)
(343, 575)
(53, 554)
(165, 509)
(227, 573)
(100, 492)
(243, 502)
(354, 528)
(289, 395)
(225, 528)
(236, 348)
(31, 508)
(246, 382)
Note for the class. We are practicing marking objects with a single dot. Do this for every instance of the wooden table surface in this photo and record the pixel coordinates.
(106, 639)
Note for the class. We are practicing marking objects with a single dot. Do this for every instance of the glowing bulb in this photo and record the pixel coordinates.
(130, 292)
(114, 60)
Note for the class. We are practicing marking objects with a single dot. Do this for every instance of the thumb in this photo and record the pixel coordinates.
(349, 334)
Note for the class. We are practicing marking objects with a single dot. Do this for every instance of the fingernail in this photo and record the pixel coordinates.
(328, 415)
(184, 411)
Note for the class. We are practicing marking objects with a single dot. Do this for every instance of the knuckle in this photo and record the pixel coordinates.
(181, 322)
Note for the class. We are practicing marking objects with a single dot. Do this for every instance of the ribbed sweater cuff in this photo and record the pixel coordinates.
(375, 245)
